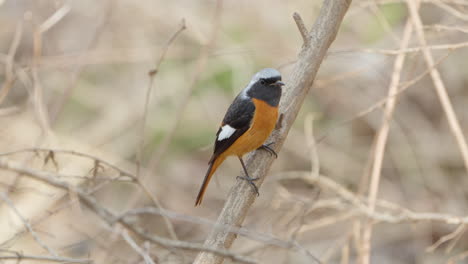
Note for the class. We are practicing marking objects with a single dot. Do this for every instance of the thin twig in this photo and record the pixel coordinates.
(302, 28)
(135, 247)
(18, 256)
(108, 217)
(453, 46)
(439, 85)
(381, 141)
(152, 75)
(202, 61)
(40, 106)
(359, 204)
(9, 72)
(268, 239)
(402, 87)
(95, 159)
(79, 62)
(10, 204)
(458, 231)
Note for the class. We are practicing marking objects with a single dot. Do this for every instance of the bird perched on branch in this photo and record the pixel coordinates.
(247, 124)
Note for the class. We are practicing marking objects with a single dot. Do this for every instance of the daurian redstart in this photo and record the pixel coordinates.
(247, 124)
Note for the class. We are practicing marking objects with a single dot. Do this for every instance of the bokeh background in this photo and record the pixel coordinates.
(74, 76)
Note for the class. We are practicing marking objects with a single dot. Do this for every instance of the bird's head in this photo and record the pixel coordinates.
(268, 77)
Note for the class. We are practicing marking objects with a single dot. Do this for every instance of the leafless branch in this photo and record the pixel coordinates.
(452, 46)
(152, 75)
(202, 61)
(20, 256)
(302, 28)
(395, 214)
(9, 72)
(241, 196)
(439, 84)
(7, 200)
(108, 217)
(381, 140)
(135, 247)
(39, 103)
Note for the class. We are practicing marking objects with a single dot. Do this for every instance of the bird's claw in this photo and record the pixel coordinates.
(251, 182)
(267, 148)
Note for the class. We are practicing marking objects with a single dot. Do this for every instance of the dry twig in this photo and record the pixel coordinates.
(152, 75)
(19, 256)
(439, 85)
(108, 217)
(381, 141)
(7, 200)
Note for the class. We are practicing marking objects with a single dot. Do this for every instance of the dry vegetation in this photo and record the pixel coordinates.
(108, 111)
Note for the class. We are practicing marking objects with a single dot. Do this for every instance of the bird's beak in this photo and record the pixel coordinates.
(279, 83)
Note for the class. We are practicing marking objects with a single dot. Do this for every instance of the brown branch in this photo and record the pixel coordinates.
(20, 256)
(152, 75)
(439, 85)
(110, 218)
(136, 248)
(9, 72)
(10, 204)
(395, 215)
(39, 103)
(302, 28)
(122, 172)
(451, 46)
(79, 63)
(381, 140)
(200, 66)
(241, 197)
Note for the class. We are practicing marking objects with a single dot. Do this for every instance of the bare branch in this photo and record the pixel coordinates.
(381, 140)
(108, 217)
(9, 73)
(302, 28)
(137, 248)
(152, 76)
(20, 256)
(241, 197)
(439, 85)
(7, 200)
(396, 215)
(202, 61)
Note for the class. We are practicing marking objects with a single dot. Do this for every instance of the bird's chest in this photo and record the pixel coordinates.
(264, 120)
(262, 125)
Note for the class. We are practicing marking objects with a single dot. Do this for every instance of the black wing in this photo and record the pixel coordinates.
(239, 116)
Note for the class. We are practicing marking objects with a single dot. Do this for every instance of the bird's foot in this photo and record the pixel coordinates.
(251, 182)
(267, 148)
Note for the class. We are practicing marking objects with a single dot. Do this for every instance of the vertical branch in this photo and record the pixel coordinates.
(241, 197)
(152, 75)
(9, 75)
(438, 84)
(38, 91)
(184, 99)
(7, 200)
(57, 108)
(381, 140)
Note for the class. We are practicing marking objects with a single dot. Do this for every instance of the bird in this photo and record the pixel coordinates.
(247, 124)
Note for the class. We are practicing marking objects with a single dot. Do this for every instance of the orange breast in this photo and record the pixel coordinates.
(263, 123)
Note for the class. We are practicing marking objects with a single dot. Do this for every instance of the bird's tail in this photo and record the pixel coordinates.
(214, 164)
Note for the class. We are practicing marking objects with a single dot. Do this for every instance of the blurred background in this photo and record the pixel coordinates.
(74, 77)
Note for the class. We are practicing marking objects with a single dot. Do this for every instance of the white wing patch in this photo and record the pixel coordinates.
(226, 132)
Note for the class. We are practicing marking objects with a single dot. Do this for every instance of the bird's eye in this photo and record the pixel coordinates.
(262, 81)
